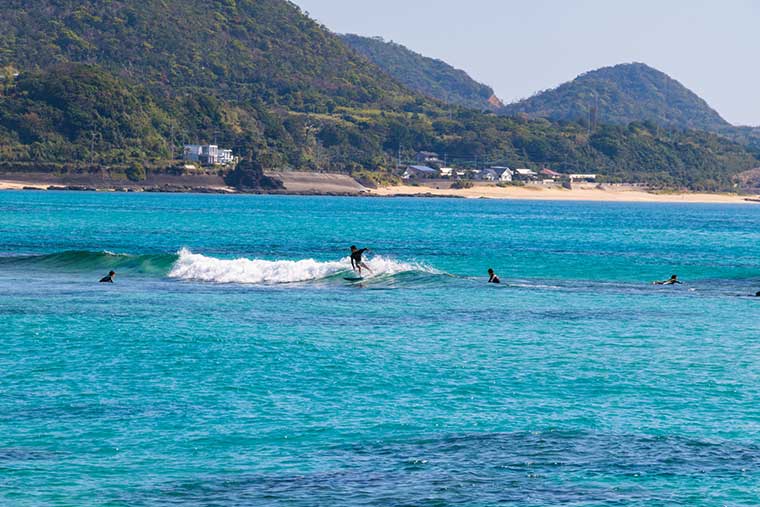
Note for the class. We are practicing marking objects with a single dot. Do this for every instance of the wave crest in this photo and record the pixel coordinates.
(87, 261)
(190, 266)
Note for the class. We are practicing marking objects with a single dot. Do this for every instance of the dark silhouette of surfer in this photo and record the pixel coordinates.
(356, 259)
(673, 280)
(108, 278)
(492, 278)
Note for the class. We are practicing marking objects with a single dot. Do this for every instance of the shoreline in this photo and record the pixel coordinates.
(341, 185)
(588, 192)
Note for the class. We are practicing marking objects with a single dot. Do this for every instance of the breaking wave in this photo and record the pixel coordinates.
(190, 266)
(186, 265)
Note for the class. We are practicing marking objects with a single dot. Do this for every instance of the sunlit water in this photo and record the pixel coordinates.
(231, 363)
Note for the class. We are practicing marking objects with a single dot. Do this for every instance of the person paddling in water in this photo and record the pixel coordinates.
(356, 259)
(673, 280)
(108, 278)
(492, 278)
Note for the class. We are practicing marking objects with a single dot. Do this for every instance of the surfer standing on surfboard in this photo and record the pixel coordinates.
(356, 259)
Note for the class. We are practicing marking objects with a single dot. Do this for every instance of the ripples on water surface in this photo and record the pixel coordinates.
(231, 364)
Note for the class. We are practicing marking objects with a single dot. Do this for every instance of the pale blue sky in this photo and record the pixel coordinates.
(521, 46)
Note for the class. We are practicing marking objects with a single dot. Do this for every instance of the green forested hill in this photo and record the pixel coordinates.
(631, 92)
(50, 114)
(428, 76)
(620, 95)
(235, 47)
(130, 81)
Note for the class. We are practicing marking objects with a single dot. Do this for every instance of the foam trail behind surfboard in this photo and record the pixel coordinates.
(192, 266)
(199, 267)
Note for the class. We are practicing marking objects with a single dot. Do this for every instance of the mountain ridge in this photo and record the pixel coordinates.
(621, 94)
(430, 76)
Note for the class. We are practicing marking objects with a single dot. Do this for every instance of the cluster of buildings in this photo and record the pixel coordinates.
(429, 166)
(208, 154)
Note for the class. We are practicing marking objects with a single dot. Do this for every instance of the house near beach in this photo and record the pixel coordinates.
(549, 174)
(488, 175)
(524, 174)
(414, 172)
(208, 154)
(446, 172)
(504, 173)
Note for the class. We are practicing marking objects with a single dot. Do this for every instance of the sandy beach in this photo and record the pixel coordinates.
(15, 185)
(589, 192)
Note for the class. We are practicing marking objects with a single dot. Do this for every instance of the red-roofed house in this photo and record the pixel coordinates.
(551, 174)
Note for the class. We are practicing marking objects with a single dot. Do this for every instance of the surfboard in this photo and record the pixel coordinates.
(353, 278)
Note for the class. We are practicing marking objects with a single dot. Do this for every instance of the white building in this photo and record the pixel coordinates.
(208, 154)
(226, 157)
(504, 173)
(446, 172)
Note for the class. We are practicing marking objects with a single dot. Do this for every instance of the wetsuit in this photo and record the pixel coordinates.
(106, 279)
(494, 279)
(356, 257)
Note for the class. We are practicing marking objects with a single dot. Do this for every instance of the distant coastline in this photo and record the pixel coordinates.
(304, 183)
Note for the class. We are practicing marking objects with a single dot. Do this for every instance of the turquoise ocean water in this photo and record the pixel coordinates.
(231, 364)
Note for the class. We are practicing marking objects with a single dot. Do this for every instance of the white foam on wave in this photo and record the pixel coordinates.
(199, 267)
(381, 265)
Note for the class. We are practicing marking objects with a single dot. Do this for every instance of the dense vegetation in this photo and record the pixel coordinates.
(628, 93)
(620, 95)
(428, 76)
(241, 49)
(128, 82)
(79, 113)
